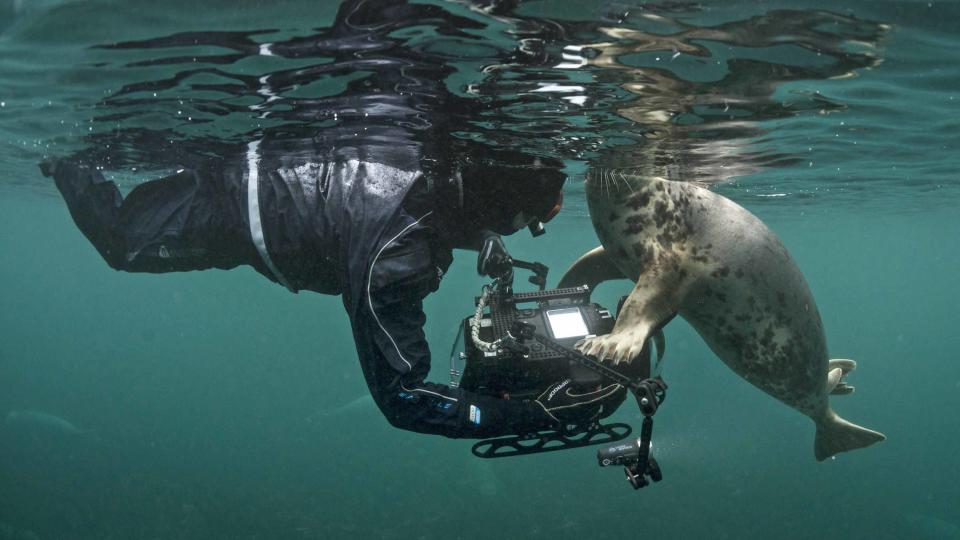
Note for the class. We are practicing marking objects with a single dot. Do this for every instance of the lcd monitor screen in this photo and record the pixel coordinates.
(567, 323)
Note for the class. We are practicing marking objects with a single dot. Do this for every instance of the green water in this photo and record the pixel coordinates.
(222, 406)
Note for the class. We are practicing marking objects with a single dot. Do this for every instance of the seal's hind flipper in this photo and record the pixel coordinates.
(833, 379)
(845, 364)
(835, 435)
(841, 388)
(591, 269)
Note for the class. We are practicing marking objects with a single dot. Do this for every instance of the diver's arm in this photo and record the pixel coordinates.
(393, 350)
(475, 242)
(396, 360)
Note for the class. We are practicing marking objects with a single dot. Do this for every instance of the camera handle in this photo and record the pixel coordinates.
(494, 261)
(504, 282)
(539, 277)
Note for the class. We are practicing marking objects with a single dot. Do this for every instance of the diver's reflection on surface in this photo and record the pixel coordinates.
(642, 88)
(359, 83)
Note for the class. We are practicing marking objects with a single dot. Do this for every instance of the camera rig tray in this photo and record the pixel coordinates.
(551, 441)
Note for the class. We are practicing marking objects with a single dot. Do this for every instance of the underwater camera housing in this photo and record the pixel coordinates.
(522, 371)
(517, 344)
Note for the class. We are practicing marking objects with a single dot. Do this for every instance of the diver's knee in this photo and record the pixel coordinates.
(116, 260)
(49, 167)
(68, 173)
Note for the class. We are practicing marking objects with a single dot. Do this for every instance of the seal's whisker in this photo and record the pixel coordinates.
(613, 179)
(626, 182)
(620, 179)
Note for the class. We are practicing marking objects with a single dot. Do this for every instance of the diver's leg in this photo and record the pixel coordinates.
(93, 202)
(187, 221)
(178, 223)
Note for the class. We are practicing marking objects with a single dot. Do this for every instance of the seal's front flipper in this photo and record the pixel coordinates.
(648, 307)
(591, 269)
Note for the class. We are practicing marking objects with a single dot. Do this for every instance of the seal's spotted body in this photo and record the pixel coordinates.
(695, 253)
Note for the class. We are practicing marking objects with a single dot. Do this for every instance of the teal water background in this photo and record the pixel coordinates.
(224, 407)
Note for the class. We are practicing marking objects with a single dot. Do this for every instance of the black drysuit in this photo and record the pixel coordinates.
(337, 222)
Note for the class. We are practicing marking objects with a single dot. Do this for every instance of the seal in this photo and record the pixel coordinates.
(698, 254)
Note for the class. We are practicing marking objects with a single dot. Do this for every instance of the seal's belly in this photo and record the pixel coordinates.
(759, 317)
(745, 295)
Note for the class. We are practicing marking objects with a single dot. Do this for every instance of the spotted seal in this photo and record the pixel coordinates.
(698, 254)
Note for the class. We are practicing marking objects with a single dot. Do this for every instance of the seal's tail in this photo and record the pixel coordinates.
(835, 435)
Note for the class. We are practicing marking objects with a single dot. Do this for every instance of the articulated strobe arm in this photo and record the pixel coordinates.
(650, 393)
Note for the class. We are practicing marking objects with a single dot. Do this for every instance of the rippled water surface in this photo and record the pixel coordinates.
(220, 406)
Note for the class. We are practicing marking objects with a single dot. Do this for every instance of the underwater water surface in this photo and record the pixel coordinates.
(218, 405)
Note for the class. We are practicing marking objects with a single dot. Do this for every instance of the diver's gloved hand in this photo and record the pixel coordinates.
(566, 405)
(494, 260)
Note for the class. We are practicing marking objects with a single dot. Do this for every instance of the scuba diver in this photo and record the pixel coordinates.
(369, 208)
